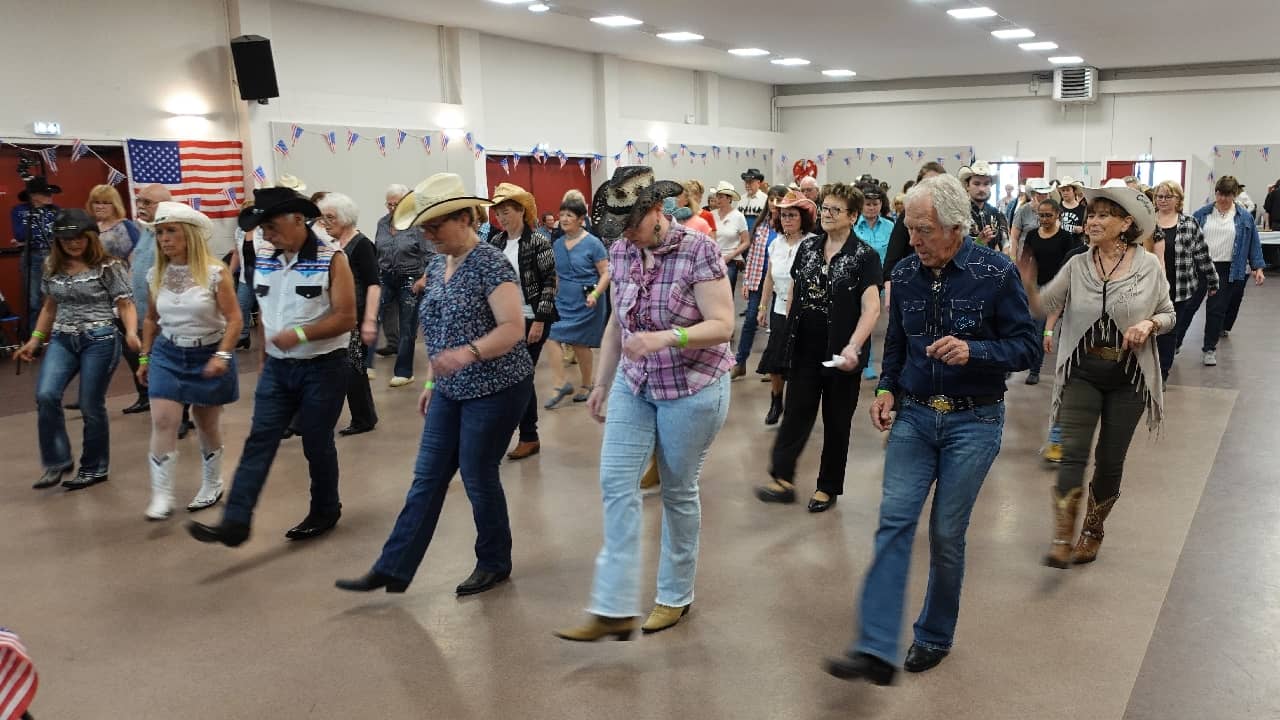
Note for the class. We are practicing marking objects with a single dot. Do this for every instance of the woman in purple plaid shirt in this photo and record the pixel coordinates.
(664, 366)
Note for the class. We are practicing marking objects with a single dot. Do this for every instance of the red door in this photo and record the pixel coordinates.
(1028, 170)
(1118, 169)
(547, 181)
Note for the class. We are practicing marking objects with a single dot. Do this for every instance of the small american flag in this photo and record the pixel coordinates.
(115, 177)
(282, 148)
(260, 175)
(515, 160)
(595, 161)
(78, 150)
(190, 169)
(506, 166)
(352, 138)
(230, 193)
(331, 139)
(50, 157)
(469, 141)
(381, 143)
(295, 132)
(582, 165)
(478, 150)
(426, 143)
(444, 141)
(400, 136)
(18, 677)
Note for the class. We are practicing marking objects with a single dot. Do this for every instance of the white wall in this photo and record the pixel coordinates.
(537, 94)
(745, 104)
(114, 70)
(655, 92)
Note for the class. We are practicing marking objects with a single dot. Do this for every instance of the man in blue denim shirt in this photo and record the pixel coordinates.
(958, 321)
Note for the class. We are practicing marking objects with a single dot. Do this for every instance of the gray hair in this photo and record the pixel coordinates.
(342, 206)
(948, 197)
(397, 189)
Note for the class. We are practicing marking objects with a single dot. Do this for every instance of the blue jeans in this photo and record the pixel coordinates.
(245, 297)
(94, 355)
(35, 293)
(731, 268)
(749, 327)
(466, 436)
(313, 390)
(955, 451)
(682, 429)
(397, 288)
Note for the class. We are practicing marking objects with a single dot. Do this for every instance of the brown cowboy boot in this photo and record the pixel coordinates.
(1065, 510)
(1086, 550)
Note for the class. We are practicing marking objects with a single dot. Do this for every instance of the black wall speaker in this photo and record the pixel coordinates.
(255, 71)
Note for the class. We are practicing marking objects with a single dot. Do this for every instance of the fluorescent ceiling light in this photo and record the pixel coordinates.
(616, 21)
(1013, 33)
(748, 52)
(790, 62)
(1066, 60)
(839, 73)
(539, 7)
(971, 13)
(511, 2)
(1046, 45)
(680, 36)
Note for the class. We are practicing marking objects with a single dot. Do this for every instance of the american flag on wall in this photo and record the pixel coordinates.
(18, 679)
(191, 169)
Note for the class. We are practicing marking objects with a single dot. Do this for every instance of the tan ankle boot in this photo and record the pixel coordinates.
(1086, 550)
(598, 628)
(1065, 509)
(663, 617)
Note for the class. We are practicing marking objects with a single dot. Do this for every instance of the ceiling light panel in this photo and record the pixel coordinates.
(616, 21)
(681, 36)
(790, 62)
(839, 73)
(1066, 60)
(1013, 33)
(748, 52)
(971, 13)
(1043, 45)
(539, 7)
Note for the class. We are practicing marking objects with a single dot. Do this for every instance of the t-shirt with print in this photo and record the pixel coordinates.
(751, 206)
(1072, 219)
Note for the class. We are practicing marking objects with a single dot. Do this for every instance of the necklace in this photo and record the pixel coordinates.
(1106, 276)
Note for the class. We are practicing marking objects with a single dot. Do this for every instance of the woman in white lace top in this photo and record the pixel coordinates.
(191, 329)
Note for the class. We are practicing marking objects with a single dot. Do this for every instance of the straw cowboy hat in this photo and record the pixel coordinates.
(507, 192)
(176, 212)
(1068, 181)
(1039, 186)
(1134, 202)
(292, 182)
(437, 196)
(616, 197)
(724, 187)
(274, 201)
(982, 169)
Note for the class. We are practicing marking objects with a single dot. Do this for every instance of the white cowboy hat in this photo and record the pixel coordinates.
(724, 187)
(1039, 185)
(979, 168)
(1068, 181)
(438, 195)
(176, 212)
(292, 182)
(1135, 203)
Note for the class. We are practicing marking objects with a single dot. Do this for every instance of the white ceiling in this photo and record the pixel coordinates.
(880, 39)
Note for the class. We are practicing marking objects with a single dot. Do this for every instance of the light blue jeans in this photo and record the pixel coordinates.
(682, 430)
(950, 453)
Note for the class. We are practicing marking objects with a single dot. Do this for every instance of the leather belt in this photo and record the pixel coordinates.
(82, 327)
(946, 404)
(186, 341)
(1107, 353)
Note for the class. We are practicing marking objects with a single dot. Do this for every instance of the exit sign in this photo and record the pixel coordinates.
(43, 127)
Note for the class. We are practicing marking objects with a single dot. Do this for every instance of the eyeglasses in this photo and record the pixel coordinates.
(328, 219)
(1165, 197)
(789, 216)
(830, 210)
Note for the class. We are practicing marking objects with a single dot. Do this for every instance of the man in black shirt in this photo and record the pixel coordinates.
(990, 228)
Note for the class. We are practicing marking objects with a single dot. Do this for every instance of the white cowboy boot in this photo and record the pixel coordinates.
(161, 486)
(210, 483)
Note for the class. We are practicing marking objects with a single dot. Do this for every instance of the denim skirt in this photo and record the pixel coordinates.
(176, 374)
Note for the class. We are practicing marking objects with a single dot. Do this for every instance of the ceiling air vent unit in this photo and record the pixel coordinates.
(1075, 85)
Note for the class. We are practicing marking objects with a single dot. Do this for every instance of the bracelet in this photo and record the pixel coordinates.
(143, 360)
(595, 294)
(302, 337)
(682, 337)
(881, 392)
(1048, 333)
(474, 350)
(38, 335)
(224, 355)
(429, 385)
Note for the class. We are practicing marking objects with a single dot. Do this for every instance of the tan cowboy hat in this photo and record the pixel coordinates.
(438, 195)
(1134, 202)
(978, 168)
(1039, 186)
(176, 212)
(292, 182)
(1068, 181)
(507, 192)
(724, 187)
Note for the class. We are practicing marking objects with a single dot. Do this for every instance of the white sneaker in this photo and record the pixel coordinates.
(1211, 358)
(371, 373)
(398, 381)
(161, 506)
(210, 482)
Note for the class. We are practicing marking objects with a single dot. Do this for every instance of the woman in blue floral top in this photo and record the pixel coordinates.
(479, 383)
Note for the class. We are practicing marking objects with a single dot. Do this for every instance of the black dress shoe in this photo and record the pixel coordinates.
(861, 666)
(243, 344)
(143, 404)
(314, 525)
(480, 581)
(354, 430)
(769, 494)
(921, 658)
(371, 581)
(82, 481)
(51, 477)
(817, 506)
(230, 534)
(385, 351)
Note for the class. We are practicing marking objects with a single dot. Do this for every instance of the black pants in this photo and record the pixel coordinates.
(1099, 394)
(359, 396)
(809, 385)
(529, 423)
(131, 358)
(1218, 308)
(1169, 342)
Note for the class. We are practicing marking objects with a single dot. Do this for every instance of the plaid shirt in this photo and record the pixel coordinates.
(537, 272)
(758, 257)
(1191, 259)
(660, 298)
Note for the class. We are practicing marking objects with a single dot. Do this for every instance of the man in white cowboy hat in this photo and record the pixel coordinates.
(1026, 220)
(989, 226)
(307, 298)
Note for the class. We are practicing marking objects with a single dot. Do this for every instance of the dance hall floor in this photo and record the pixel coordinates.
(1178, 618)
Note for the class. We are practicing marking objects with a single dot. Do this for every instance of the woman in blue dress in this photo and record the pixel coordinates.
(582, 268)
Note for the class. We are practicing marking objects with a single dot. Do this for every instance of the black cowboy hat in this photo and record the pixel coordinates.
(38, 185)
(273, 201)
(753, 174)
(72, 222)
(615, 198)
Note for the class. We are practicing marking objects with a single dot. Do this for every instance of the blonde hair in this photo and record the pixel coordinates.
(105, 193)
(695, 192)
(199, 261)
(1173, 188)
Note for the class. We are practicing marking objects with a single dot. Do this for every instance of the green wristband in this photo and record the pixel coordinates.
(302, 337)
(429, 385)
(39, 335)
(881, 392)
(682, 336)
(1048, 333)
(144, 360)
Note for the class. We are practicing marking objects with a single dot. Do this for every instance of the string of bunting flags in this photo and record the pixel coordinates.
(859, 154)
(49, 156)
(1235, 152)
